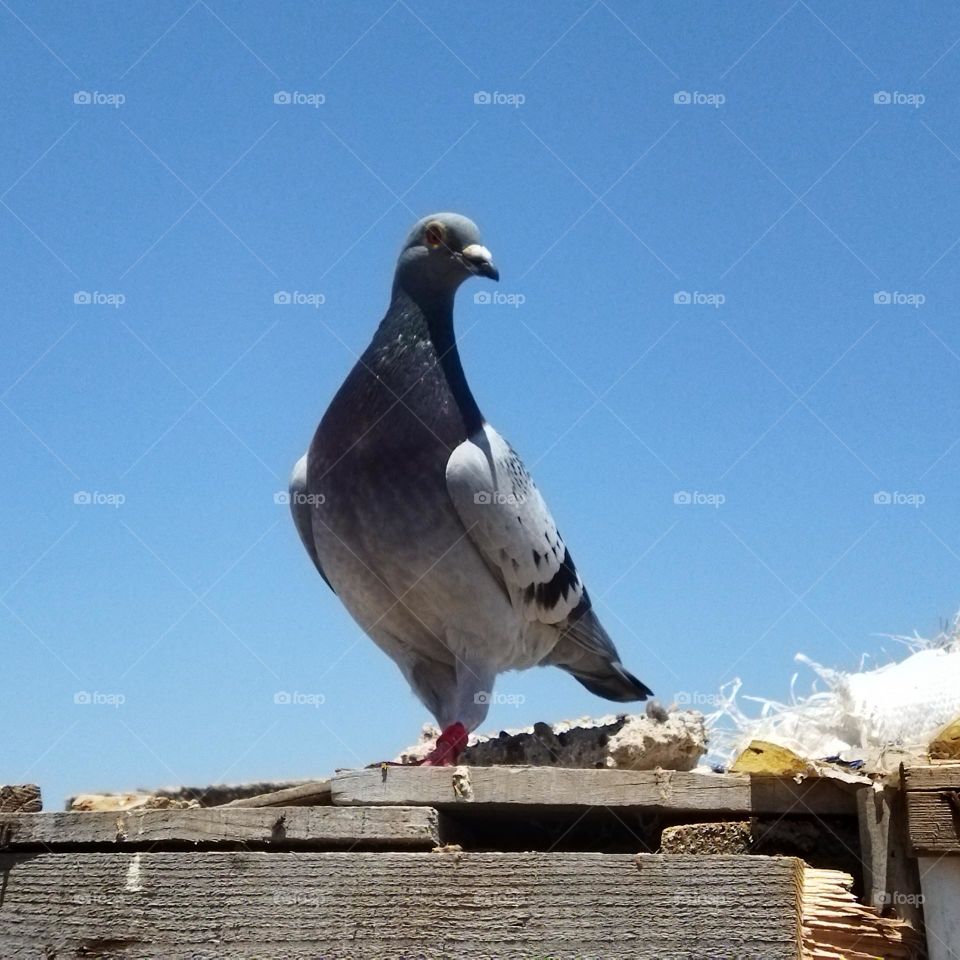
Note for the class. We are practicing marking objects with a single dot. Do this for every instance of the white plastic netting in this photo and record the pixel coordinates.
(896, 708)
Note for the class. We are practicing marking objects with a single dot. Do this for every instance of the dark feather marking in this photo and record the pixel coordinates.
(563, 582)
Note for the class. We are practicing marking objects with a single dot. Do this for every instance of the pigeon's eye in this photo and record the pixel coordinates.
(434, 234)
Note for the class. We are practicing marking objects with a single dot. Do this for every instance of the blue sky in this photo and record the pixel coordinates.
(768, 468)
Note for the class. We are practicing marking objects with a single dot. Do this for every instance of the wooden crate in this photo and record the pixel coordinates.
(933, 812)
(484, 862)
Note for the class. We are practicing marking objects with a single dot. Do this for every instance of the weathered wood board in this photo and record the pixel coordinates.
(319, 827)
(388, 906)
(316, 793)
(933, 807)
(934, 821)
(933, 776)
(890, 878)
(552, 787)
(940, 878)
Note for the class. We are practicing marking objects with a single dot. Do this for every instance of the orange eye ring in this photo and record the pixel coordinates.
(434, 234)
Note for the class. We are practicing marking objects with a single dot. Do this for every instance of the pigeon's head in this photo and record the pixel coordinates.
(441, 252)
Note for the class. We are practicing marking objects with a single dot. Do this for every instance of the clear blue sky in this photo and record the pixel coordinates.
(781, 400)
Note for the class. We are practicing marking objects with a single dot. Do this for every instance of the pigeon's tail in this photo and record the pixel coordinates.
(586, 651)
(615, 683)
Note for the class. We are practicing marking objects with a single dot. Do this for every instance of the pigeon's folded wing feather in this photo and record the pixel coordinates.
(508, 521)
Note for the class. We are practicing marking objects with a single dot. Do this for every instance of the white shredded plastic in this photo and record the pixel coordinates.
(891, 710)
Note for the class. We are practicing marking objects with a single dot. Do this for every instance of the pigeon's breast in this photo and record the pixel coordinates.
(378, 462)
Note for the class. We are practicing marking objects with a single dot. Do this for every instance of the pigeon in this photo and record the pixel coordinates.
(426, 524)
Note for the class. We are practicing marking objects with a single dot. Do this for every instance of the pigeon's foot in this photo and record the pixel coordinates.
(450, 744)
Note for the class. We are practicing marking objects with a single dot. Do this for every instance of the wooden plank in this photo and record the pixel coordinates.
(934, 776)
(316, 793)
(940, 878)
(20, 798)
(934, 821)
(552, 787)
(387, 906)
(212, 795)
(890, 878)
(837, 925)
(318, 827)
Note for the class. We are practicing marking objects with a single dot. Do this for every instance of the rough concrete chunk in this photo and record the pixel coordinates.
(673, 741)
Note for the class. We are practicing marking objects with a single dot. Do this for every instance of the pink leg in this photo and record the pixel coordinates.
(450, 744)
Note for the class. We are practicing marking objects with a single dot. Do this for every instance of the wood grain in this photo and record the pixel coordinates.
(319, 827)
(935, 776)
(890, 878)
(388, 906)
(934, 821)
(552, 787)
(316, 793)
(940, 877)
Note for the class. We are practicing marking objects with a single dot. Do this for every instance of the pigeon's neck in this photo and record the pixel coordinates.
(431, 317)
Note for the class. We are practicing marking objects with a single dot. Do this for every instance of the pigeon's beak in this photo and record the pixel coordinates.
(479, 260)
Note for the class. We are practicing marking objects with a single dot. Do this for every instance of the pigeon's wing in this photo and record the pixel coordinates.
(300, 508)
(509, 523)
